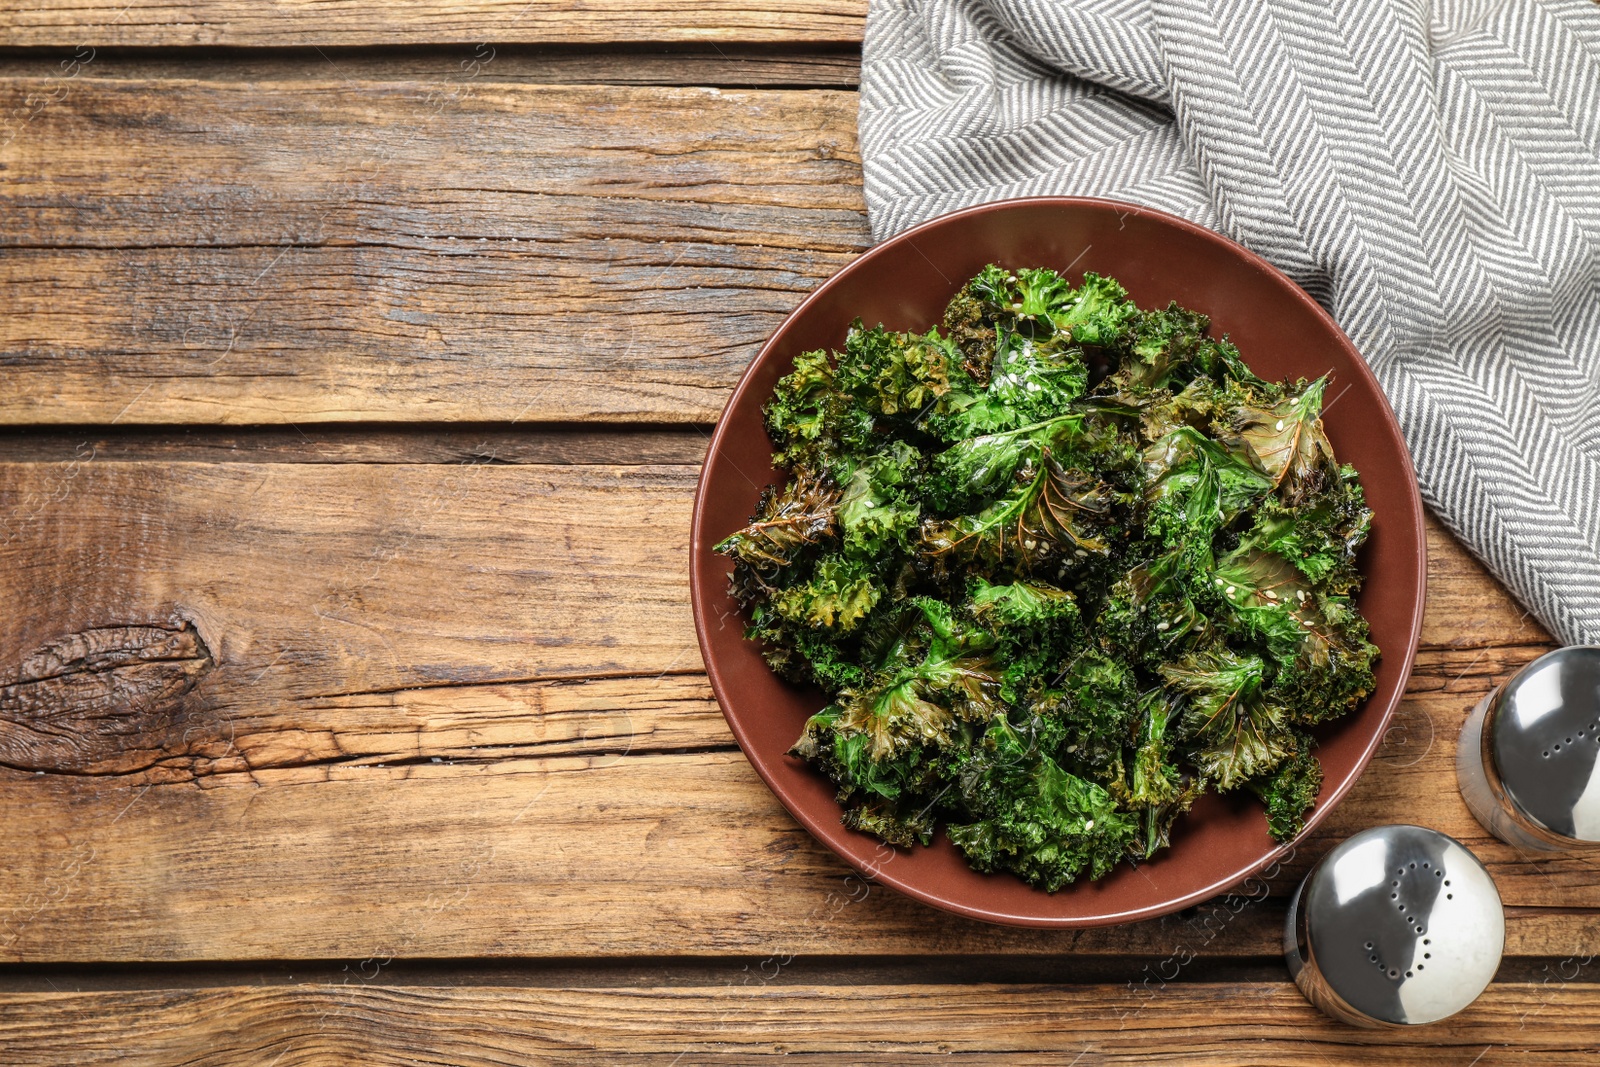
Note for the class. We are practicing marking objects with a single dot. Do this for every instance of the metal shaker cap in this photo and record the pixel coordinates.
(1541, 746)
(1396, 926)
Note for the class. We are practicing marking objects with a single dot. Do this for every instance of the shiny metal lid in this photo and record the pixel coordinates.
(1542, 735)
(1396, 926)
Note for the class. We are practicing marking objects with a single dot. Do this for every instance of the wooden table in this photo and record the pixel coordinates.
(357, 376)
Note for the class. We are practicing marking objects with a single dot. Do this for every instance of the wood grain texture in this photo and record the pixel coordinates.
(318, 581)
(455, 709)
(98, 700)
(447, 250)
(1187, 1024)
(40, 23)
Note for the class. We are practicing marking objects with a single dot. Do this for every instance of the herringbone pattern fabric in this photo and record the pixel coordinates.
(1429, 172)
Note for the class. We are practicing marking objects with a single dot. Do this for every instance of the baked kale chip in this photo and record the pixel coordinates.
(1061, 565)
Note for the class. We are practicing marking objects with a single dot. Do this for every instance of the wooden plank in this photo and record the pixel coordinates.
(730, 66)
(1187, 1024)
(316, 581)
(237, 691)
(447, 250)
(167, 23)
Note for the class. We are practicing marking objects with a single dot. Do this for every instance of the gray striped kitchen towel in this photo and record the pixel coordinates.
(1429, 171)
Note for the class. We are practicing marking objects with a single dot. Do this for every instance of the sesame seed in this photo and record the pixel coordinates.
(1163, 626)
(1280, 424)
(1232, 590)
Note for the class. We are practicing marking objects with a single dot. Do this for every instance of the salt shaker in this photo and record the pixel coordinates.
(1396, 926)
(1528, 760)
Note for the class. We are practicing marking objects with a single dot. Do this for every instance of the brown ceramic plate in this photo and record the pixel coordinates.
(1281, 332)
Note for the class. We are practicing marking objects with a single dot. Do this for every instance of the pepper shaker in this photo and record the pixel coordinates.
(1396, 926)
(1528, 760)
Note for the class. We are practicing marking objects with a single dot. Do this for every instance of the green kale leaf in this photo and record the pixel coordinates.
(1031, 817)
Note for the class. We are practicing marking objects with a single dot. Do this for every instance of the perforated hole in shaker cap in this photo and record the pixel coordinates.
(1592, 728)
(1405, 887)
